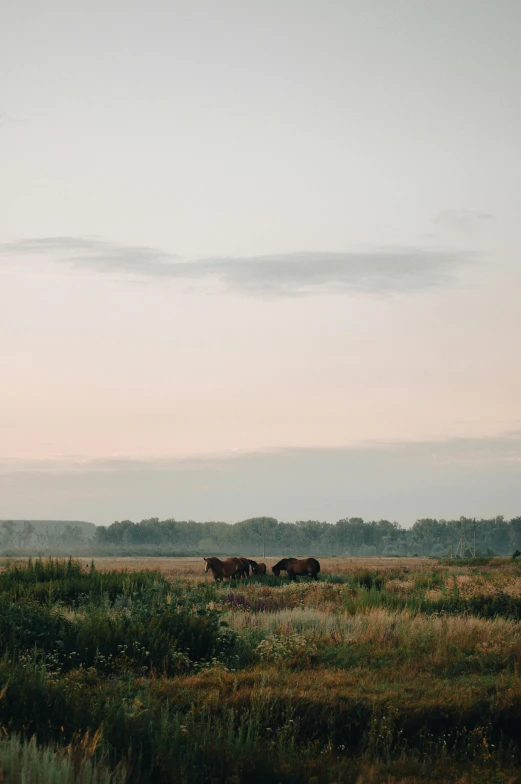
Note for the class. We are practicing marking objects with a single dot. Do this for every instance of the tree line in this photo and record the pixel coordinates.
(44, 535)
(265, 536)
(349, 536)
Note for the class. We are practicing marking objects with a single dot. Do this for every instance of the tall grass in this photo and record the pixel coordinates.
(25, 762)
(259, 680)
(54, 581)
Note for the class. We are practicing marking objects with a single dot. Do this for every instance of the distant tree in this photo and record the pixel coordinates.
(41, 537)
(19, 535)
(50, 537)
(100, 535)
(73, 534)
(515, 532)
(27, 533)
(8, 531)
(352, 536)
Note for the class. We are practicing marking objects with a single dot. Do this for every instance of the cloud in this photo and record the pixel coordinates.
(379, 271)
(7, 119)
(373, 270)
(397, 481)
(461, 221)
(94, 253)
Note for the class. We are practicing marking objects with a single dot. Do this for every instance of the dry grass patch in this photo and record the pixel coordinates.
(192, 568)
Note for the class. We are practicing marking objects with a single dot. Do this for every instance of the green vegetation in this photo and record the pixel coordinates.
(44, 535)
(368, 676)
(349, 536)
(24, 762)
(461, 539)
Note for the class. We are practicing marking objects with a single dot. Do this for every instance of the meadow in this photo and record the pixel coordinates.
(146, 670)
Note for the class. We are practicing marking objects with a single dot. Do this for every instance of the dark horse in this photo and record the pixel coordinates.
(221, 569)
(297, 566)
(244, 570)
(257, 568)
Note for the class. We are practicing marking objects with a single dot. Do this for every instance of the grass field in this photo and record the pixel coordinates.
(193, 568)
(146, 670)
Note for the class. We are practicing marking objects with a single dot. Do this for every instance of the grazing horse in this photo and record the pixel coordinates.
(244, 570)
(297, 566)
(221, 569)
(257, 568)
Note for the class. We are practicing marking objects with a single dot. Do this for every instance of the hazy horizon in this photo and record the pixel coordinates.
(260, 259)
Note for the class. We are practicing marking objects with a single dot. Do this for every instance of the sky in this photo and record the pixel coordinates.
(260, 258)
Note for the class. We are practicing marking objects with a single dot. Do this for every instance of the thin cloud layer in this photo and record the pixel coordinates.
(501, 449)
(8, 119)
(462, 221)
(474, 477)
(376, 270)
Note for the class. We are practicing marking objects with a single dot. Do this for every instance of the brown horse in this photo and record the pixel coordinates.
(297, 566)
(244, 570)
(221, 569)
(257, 568)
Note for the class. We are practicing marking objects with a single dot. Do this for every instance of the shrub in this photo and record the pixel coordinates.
(285, 647)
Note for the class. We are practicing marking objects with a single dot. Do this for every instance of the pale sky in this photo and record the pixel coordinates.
(275, 244)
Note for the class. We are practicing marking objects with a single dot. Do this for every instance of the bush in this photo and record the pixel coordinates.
(139, 631)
